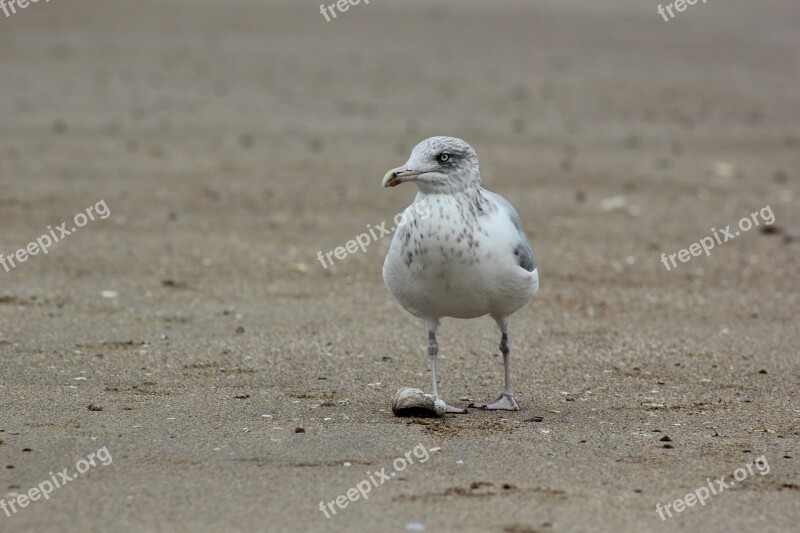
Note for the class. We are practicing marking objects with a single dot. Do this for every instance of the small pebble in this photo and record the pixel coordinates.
(725, 170)
(613, 203)
(300, 268)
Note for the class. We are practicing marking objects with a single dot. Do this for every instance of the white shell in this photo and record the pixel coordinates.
(413, 402)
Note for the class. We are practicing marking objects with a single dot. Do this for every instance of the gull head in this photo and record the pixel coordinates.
(438, 165)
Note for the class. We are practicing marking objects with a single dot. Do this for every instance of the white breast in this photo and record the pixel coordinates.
(457, 262)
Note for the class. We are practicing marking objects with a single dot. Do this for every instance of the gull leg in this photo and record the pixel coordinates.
(506, 401)
(433, 351)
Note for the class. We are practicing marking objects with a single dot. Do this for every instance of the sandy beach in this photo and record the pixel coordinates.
(185, 356)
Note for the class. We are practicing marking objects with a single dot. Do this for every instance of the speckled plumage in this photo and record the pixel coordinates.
(462, 252)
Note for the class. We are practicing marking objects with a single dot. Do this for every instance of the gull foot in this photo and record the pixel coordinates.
(504, 402)
(456, 410)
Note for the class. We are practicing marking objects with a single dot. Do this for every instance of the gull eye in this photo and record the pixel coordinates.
(444, 157)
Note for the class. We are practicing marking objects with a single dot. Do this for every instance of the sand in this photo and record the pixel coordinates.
(194, 335)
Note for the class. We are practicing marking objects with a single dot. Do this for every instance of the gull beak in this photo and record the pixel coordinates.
(399, 175)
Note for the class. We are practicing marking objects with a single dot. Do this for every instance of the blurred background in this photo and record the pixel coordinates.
(234, 140)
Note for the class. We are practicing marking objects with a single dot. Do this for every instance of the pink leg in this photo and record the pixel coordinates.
(506, 401)
(433, 350)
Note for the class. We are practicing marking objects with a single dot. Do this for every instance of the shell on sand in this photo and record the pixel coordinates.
(413, 402)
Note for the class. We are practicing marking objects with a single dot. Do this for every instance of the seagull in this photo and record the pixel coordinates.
(466, 256)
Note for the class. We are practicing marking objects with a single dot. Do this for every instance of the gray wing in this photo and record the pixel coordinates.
(522, 250)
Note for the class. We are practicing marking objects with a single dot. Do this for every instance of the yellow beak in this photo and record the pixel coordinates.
(399, 175)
